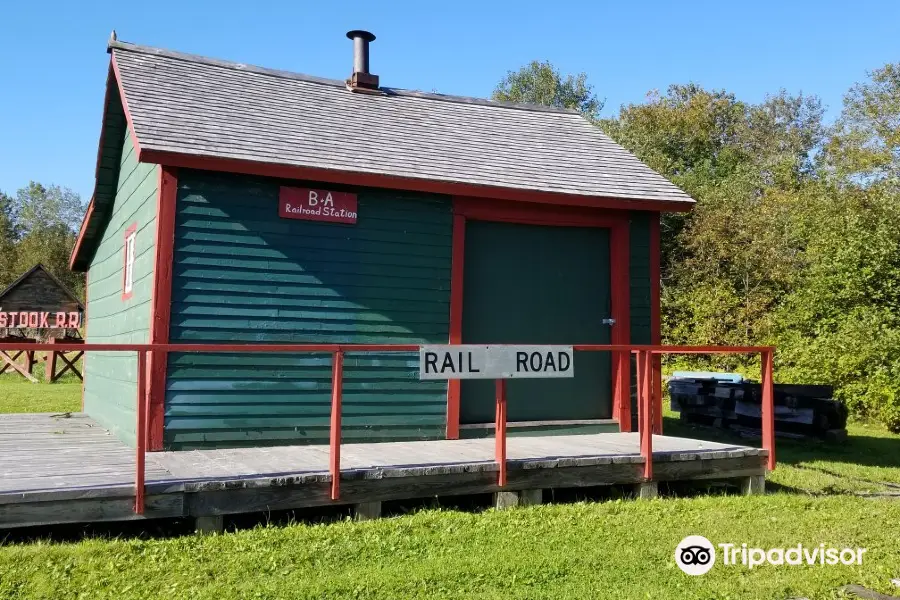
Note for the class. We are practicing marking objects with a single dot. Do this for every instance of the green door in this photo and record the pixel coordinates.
(534, 284)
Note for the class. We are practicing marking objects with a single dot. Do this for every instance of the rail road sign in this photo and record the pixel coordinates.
(470, 361)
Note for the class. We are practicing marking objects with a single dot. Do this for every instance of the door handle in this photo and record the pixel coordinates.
(609, 322)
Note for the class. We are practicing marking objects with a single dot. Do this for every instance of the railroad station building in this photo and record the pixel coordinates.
(237, 204)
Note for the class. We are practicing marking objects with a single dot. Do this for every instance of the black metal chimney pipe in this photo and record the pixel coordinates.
(361, 77)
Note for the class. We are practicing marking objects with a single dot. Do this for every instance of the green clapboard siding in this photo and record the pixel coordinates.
(531, 284)
(110, 384)
(639, 264)
(639, 237)
(242, 274)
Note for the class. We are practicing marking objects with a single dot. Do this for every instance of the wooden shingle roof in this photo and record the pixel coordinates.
(193, 105)
(189, 111)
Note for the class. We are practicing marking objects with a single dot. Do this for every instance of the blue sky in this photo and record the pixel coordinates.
(53, 62)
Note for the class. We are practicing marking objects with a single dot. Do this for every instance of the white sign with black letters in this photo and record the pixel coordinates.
(470, 361)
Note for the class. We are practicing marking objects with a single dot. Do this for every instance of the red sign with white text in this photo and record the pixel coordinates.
(33, 319)
(316, 205)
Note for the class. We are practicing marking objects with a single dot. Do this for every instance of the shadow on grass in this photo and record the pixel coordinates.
(862, 450)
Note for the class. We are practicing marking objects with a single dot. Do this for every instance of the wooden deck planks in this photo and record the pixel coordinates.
(59, 452)
(50, 462)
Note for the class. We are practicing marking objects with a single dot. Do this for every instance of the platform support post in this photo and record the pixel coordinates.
(753, 485)
(366, 511)
(500, 431)
(210, 524)
(503, 500)
(646, 490)
(50, 365)
(337, 382)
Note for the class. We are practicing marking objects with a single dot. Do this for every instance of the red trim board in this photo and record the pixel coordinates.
(161, 302)
(90, 210)
(465, 208)
(81, 230)
(113, 74)
(128, 119)
(248, 167)
(456, 308)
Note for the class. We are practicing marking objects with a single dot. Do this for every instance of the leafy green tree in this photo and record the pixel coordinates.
(865, 144)
(725, 265)
(795, 238)
(8, 237)
(44, 221)
(840, 323)
(40, 207)
(541, 83)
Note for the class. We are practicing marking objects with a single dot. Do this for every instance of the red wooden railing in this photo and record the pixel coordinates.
(649, 407)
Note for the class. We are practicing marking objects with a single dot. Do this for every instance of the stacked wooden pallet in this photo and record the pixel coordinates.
(729, 400)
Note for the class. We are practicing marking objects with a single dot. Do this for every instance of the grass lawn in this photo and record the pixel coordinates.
(867, 463)
(618, 549)
(20, 396)
(614, 549)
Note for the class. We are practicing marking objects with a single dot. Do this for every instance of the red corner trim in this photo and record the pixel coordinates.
(456, 312)
(128, 232)
(161, 301)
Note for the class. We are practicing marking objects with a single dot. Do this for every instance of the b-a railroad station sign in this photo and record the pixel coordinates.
(495, 362)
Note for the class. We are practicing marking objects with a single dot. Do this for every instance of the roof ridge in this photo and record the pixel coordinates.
(387, 91)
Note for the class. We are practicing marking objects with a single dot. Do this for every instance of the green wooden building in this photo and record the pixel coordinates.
(236, 204)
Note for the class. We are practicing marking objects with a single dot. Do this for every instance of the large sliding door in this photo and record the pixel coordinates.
(535, 284)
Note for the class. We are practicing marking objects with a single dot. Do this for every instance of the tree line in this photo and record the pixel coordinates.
(38, 224)
(795, 237)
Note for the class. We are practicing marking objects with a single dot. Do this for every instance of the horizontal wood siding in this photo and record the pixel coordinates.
(639, 265)
(243, 274)
(110, 384)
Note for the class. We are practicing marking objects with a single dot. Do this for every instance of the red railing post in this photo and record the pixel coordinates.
(337, 381)
(623, 385)
(140, 433)
(768, 407)
(645, 410)
(615, 365)
(500, 430)
(656, 387)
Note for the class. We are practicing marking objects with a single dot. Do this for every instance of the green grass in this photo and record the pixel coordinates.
(20, 396)
(867, 463)
(615, 549)
(618, 549)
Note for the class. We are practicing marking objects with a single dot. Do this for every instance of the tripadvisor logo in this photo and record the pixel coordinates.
(696, 555)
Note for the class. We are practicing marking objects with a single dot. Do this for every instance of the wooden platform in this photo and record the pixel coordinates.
(57, 469)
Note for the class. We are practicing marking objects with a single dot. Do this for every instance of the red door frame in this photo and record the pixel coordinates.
(481, 209)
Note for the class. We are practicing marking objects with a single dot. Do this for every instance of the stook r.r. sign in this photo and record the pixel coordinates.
(469, 361)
